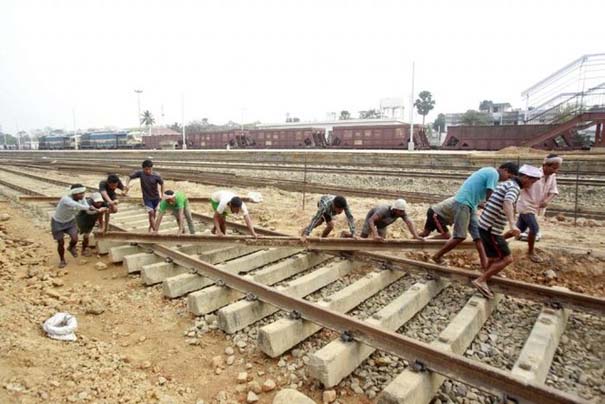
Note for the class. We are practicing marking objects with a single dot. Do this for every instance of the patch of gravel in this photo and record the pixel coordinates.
(384, 297)
(426, 325)
(578, 364)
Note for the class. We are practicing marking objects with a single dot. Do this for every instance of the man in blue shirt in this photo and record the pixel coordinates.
(475, 190)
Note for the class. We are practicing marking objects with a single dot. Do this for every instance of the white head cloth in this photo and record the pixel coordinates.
(79, 190)
(553, 160)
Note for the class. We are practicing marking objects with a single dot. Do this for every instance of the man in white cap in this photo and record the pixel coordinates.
(500, 210)
(533, 202)
(381, 216)
(64, 220)
(223, 203)
(178, 204)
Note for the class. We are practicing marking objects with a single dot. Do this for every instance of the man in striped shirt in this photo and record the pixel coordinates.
(499, 210)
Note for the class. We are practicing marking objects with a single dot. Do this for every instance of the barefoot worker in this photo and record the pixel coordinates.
(150, 182)
(179, 207)
(534, 200)
(86, 220)
(474, 191)
(327, 207)
(382, 216)
(499, 211)
(64, 220)
(223, 203)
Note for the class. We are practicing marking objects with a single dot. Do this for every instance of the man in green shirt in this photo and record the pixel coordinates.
(178, 205)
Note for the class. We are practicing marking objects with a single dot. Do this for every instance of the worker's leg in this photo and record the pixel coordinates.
(461, 224)
(85, 240)
(61, 252)
(328, 229)
(189, 218)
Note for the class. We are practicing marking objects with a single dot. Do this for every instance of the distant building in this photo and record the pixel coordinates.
(495, 114)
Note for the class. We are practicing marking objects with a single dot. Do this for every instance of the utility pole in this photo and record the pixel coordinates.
(411, 141)
(183, 121)
(139, 107)
(73, 116)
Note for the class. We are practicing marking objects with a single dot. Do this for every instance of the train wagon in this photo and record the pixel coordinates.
(377, 137)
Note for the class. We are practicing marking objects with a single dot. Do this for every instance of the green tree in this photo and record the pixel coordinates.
(472, 118)
(344, 115)
(369, 114)
(424, 104)
(148, 120)
(176, 127)
(486, 105)
(439, 123)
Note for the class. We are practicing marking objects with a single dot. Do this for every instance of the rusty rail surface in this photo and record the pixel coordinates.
(312, 243)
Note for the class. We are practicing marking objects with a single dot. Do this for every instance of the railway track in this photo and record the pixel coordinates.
(460, 173)
(247, 285)
(213, 178)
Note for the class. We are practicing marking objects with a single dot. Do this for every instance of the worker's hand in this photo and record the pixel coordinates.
(378, 237)
(154, 231)
(254, 235)
(514, 231)
(543, 204)
(303, 239)
(356, 237)
(481, 205)
(125, 190)
(219, 233)
(419, 238)
(102, 210)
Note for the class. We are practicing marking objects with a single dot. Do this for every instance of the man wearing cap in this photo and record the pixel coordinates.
(381, 216)
(64, 220)
(86, 220)
(179, 206)
(500, 210)
(150, 182)
(534, 200)
(473, 192)
(327, 207)
(224, 202)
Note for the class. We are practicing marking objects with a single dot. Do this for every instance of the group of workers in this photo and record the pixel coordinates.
(500, 193)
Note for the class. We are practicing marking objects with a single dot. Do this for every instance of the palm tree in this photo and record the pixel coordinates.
(148, 120)
(424, 104)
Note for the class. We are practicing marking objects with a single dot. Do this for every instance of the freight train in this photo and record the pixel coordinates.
(351, 136)
(395, 136)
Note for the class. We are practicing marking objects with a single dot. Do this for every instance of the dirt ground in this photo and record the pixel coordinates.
(131, 345)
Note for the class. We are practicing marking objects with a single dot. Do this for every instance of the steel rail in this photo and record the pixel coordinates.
(121, 198)
(461, 172)
(496, 381)
(312, 243)
(510, 287)
(318, 188)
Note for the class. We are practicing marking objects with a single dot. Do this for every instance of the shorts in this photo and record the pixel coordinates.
(151, 204)
(215, 207)
(528, 220)
(495, 244)
(465, 220)
(435, 222)
(59, 229)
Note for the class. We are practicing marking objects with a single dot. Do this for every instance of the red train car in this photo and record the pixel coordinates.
(169, 141)
(394, 136)
(499, 137)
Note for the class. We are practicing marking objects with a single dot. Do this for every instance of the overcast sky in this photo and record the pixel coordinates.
(268, 58)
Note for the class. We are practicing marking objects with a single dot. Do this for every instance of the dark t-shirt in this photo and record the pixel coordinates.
(86, 220)
(110, 192)
(149, 184)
